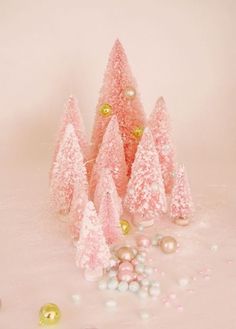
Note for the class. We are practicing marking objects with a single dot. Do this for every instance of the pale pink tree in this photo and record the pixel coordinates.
(72, 115)
(92, 252)
(111, 156)
(110, 217)
(119, 94)
(67, 170)
(181, 206)
(159, 123)
(145, 197)
(106, 184)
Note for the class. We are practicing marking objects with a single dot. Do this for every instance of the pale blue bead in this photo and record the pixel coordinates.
(123, 286)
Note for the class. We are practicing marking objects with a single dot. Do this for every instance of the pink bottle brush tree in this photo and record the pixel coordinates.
(145, 197)
(68, 169)
(72, 116)
(106, 185)
(111, 156)
(92, 252)
(119, 96)
(181, 207)
(110, 217)
(159, 124)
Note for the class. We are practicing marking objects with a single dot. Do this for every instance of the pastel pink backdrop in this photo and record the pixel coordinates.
(183, 50)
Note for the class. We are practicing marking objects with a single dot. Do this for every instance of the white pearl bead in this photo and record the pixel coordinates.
(102, 285)
(148, 270)
(134, 286)
(154, 291)
(214, 247)
(112, 283)
(140, 258)
(123, 286)
(155, 283)
(112, 274)
(139, 268)
(145, 282)
(183, 282)
(144, 315)
(111, 303)
(76, 298)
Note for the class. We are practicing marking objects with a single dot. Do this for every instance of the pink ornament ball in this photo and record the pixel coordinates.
(143, 241)
(125, 276)
(126, 266)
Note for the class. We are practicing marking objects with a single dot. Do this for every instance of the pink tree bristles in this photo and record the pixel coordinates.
(110, 217)
(181, 206)
(111, 156)
(92, 249)
(68, 169)
(72, 116)
(159, 124)
(106, 184)
(145, 197)
(119, 90)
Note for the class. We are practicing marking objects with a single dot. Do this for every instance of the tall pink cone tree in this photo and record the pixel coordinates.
(110, 217)
(111, 156)
(119, 96)
(92, 250)
(72, 116)
(106, 184)
(68, 169)
(145, 197)
(181, 203)
(159, 124)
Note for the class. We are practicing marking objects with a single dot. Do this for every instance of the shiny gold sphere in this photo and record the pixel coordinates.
(168, 244)
(138, 132)
(130, 92)
(49, 314)
(105, 110)
(125, 253)
(125, 226)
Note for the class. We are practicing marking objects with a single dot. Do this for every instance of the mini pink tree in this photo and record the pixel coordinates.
(67, 170)
(145, 197)
(111, 156)
(110, 217)
(181, 206)
(106, 184)
(72, 116)
(93, 254)
(119, 96)
(159, 124)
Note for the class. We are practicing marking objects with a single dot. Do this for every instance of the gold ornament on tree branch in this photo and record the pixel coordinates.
(106, 110)
(125, 226)
(138, 132)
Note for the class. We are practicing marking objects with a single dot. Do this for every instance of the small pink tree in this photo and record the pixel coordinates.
(93, 254)
(72, 116)
(111, 156)
(159, 124)
(119, 92)
(106, 184)
(145, 197)
(67, 170)
(110, 217)
(181, 206)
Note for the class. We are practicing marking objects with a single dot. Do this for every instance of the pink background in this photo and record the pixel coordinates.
(182, 50)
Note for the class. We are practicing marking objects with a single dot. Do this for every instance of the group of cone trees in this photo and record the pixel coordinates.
(128, 164)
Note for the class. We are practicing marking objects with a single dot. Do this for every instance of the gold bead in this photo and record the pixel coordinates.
(138, 132)
(168, 244)
(105, 110)
(49, 314)
(125, 226)
(125, 253)
(130, 92)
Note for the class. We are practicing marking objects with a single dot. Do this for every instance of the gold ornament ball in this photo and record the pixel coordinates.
(138, 132)
(125, 226)
(105, 110)
(49, 314)
(130, 92)
(125, 253)
(168, 244)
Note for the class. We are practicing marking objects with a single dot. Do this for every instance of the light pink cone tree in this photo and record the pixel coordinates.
(181, 206)
(72, 116)
(119, 90)
(67, 170)
(111, 156)
(92, 251)
(106, 184)
(159, 124)
(110, 217)
(145, 197)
